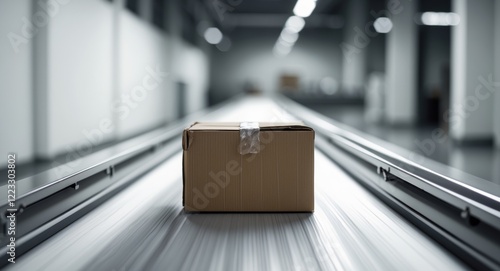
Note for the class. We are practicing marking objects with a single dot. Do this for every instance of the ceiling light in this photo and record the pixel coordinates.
(382, 25)
(295, 23)
(213, 35)
(304, 8)
(440, 18)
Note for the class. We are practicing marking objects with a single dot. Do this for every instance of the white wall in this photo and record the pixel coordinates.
(145, 47)
(104, 75)
(64, 90)
(16, 122)
(251, 59)
(79, 74)
(191, 65)
(472, 59)
(142, 47)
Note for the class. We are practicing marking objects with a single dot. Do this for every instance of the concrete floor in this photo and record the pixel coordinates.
(482, 161)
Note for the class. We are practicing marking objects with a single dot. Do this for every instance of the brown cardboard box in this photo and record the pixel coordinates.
(279, 178)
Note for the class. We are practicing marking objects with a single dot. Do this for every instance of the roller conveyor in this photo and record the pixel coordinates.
(137, 222)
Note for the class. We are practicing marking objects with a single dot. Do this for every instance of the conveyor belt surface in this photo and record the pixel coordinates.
(145, 227)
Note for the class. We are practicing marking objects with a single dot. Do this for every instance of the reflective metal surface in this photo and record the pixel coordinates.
(461, 190)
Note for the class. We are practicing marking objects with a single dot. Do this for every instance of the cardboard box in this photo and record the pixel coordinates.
(274, 175)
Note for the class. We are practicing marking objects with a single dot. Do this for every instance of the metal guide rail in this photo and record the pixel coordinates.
(52, 204)
(49, 201)
(463, 218)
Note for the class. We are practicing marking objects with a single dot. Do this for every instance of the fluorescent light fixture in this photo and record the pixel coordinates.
(382, 25)
(288, 36)
(304, 8)
(293, 26)
(295, 23)
(440, 18)
(213, 35)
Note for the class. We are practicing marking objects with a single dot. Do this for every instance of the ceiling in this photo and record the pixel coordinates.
(278, 6)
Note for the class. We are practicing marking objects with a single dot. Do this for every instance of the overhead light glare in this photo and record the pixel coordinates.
(304, 8)
(383, 25)
(295, 23)
(213, 35)
(440, 18)
(285, 43)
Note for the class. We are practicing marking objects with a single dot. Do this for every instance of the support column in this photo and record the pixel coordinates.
(73, 115)
(174, 25)
(16, 74)
(497, 74)
(118, 8)
(402, 66)
(472, 71)
(354, 47)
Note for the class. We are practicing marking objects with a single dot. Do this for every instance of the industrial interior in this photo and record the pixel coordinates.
(402, 97)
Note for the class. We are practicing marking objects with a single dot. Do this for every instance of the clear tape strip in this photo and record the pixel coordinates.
(249, 137)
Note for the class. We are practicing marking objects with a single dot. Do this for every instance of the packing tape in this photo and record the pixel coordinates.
(249, 137)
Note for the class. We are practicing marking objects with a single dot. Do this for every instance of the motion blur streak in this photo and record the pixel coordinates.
(144, 227)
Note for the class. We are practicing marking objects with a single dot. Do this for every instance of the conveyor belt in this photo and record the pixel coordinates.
(144, 227)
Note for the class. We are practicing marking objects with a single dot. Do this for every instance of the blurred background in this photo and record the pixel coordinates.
(80, 75)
